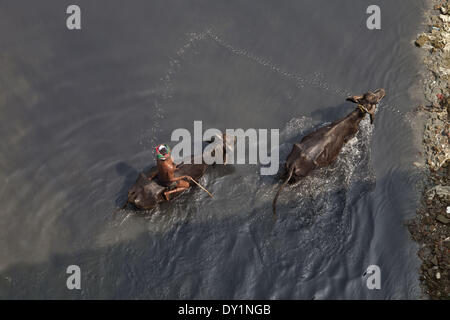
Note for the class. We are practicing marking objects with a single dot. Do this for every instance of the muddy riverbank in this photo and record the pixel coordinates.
(431, 228)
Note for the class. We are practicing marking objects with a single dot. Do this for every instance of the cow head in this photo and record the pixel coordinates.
(368, 101)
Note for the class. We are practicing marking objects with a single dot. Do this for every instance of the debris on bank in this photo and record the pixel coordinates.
(431, 227)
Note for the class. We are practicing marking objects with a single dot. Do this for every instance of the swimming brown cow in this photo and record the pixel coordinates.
(321, 147)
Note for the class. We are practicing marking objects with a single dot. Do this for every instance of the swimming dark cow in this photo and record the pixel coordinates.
(321, 147)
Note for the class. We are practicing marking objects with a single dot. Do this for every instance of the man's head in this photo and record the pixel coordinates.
(163, 152)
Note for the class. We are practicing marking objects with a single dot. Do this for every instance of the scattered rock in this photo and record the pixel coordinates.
(442, 219)
(422, 40)
(431, 228)
(417, 164)
(440, 191)
(444, 18)
(434, 260)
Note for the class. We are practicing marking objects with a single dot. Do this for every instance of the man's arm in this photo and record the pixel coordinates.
(182, 177)
(153, 175)
(177, 166)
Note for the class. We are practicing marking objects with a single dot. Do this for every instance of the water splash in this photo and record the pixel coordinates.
(316, 212)
(317, 80)
(165, 93)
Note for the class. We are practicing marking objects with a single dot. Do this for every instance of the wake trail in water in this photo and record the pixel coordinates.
(316, 212)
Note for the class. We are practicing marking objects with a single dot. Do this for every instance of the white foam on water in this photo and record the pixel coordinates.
(317, 80)
(316, 212)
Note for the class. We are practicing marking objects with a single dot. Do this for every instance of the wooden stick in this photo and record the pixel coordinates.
(203, 188)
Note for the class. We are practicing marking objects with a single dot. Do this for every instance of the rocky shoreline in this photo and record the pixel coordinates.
(431, 228)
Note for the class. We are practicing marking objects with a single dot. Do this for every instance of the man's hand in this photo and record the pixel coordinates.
(183, 177)
(153, 176)
(178, 166)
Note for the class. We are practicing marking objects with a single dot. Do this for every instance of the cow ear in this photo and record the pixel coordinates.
(354, 99)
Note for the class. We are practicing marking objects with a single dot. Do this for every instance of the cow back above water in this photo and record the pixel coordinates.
(321, 147)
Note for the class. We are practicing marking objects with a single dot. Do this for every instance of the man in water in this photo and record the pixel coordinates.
(166, 170)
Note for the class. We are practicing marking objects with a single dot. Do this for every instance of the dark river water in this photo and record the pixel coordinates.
(80, 113)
